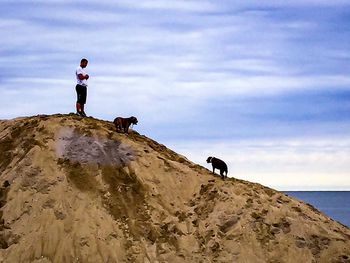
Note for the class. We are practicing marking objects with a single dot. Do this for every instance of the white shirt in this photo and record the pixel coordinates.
(80, 70)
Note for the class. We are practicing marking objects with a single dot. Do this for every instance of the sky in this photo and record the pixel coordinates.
(263, 85)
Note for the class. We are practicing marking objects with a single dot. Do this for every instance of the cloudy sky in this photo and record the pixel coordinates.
(263, 85)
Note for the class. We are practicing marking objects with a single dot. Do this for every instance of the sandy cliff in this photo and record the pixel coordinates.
(80, 192)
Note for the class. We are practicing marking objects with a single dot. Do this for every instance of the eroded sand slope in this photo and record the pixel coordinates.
(80, 192)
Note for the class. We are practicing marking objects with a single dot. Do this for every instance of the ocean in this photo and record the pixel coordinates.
(335, 204)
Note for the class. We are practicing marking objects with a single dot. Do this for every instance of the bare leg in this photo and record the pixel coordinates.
(82, 110)
(78, 106)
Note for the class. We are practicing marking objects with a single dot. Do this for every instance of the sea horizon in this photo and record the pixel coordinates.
(334, 204)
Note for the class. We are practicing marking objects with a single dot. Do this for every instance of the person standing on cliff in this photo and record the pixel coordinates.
(81, 87)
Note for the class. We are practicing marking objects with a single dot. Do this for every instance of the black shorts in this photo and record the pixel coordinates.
(81, 93)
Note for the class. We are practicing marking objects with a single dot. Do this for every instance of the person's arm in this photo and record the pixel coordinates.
(82, 77)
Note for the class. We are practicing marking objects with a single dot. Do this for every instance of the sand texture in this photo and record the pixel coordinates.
(74, 190)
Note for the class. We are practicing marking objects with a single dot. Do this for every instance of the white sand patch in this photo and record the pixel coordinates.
(85, 149)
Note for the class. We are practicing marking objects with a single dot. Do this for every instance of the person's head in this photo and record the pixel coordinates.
(83, 63)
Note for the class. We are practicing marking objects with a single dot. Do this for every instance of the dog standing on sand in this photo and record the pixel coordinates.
(218, 164)
(123, 124)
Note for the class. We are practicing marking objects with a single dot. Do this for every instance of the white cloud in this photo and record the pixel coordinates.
(285, 164)
(165, 60)
(179, 5)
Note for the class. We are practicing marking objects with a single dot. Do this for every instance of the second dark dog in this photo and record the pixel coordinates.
(123, 124)
(218, 164)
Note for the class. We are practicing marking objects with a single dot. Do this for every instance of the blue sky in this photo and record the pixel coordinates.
(263, 85)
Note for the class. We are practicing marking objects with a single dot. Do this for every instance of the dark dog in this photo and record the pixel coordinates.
(218, 164)
(123, 124)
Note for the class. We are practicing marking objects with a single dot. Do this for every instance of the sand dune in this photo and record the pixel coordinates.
(80, 192)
